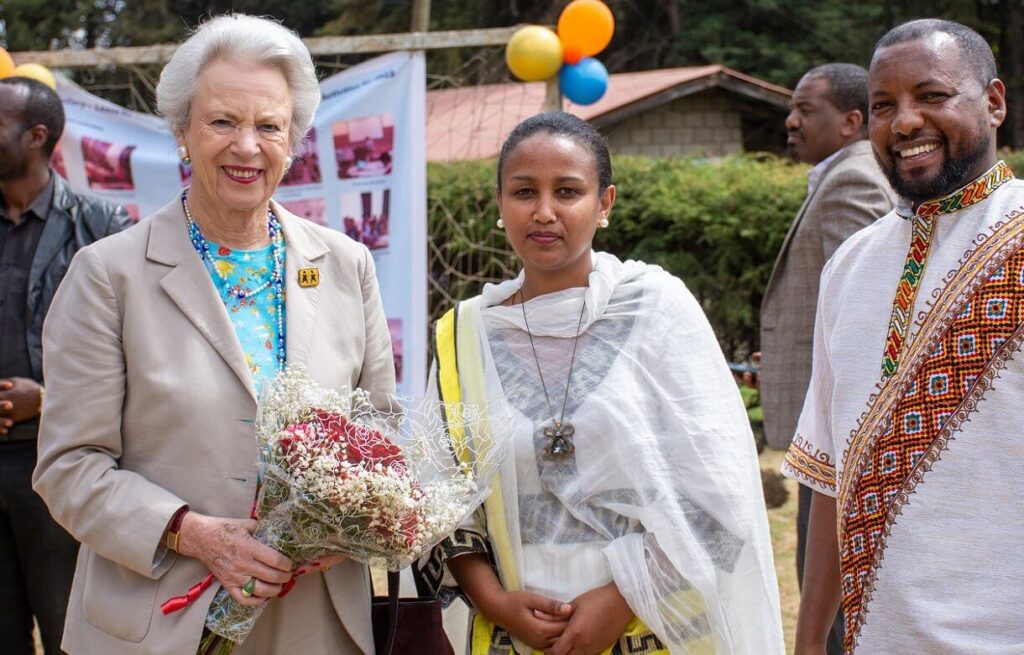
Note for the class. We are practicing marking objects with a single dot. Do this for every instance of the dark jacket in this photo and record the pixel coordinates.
(75, 221)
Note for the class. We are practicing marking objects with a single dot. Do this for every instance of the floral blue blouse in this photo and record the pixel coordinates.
(255, 319)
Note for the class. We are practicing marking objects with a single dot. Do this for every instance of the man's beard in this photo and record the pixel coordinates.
(955, 173)
(12, 170)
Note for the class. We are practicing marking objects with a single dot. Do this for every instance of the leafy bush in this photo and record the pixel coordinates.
(1015, 160)
(466, 248)
(717, 225)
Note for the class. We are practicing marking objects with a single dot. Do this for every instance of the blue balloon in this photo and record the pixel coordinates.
(585, 82)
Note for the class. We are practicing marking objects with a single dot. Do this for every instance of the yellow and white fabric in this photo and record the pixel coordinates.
(662, 494)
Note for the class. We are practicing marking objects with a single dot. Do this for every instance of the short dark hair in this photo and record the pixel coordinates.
(560, 123)
(847, 86)
(975, 52)
(42, 107)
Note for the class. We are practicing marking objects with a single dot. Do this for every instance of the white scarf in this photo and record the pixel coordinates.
(663, 493)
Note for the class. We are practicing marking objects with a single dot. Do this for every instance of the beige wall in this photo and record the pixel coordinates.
(706, 123)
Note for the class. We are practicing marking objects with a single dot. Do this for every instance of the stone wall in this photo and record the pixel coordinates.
(707, 123)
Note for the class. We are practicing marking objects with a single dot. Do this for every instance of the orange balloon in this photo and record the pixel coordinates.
(585, 29)
(6, 64)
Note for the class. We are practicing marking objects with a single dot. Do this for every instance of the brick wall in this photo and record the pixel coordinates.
(706, 123)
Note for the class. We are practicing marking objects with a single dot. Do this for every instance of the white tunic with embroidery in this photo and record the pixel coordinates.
(951, 579)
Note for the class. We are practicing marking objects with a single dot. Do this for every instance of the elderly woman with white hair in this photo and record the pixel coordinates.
(156, 346)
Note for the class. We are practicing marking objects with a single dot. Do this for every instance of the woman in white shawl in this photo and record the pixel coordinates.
(629, 516)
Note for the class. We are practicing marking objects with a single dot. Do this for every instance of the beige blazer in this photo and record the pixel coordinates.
(150, 405)
(851, 194)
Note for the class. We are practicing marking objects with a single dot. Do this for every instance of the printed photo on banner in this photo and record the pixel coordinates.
(363, 146)
(371, 114)
(395, 328)
(365, 217)
(57, 159)
(305, 168)
(107, 165)
(311, 209)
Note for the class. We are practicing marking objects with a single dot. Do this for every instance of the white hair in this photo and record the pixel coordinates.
(243, 38)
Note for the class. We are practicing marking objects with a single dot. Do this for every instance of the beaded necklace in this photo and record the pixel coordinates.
(275, 279)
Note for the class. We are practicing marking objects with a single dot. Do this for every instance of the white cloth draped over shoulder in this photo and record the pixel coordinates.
(663, 492)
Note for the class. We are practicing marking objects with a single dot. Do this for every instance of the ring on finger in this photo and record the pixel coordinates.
(248, 588)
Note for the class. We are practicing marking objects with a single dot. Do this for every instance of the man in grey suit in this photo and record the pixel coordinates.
(846, 191)
(42, 224)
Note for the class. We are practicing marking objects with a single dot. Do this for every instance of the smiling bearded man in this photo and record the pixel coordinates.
(911, 430)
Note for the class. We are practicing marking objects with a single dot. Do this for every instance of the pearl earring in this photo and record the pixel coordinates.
(183, 155)
(288, 163)
(501, 223)
(603, 222)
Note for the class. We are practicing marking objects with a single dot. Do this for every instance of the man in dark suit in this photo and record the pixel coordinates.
(42, 224)
(846, 191)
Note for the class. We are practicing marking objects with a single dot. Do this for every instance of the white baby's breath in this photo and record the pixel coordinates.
(388, 510)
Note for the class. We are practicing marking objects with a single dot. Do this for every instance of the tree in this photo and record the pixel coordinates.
(776, 40)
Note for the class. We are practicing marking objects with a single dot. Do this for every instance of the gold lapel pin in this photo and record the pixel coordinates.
(309, 277)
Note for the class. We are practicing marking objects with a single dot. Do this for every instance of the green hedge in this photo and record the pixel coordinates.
(718, 226)
(466, 248)
(1015, 159)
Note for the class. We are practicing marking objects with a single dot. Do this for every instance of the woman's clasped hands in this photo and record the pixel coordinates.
(532, 618)
(588, 625)
(599, 618)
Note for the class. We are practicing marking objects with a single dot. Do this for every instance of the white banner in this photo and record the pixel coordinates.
(362, 172)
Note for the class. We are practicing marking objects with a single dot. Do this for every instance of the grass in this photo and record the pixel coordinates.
(782, 523)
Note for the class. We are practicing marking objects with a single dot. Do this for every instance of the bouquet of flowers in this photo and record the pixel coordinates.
(340, 476)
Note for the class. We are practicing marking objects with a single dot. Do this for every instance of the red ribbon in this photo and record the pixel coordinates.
(181, 602)
(287, 587)
(172, 605)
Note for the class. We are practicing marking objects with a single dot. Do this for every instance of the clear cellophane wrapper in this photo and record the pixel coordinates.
(340, 475)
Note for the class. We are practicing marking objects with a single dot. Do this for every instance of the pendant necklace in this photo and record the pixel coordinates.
(275, 281)
(559, 433)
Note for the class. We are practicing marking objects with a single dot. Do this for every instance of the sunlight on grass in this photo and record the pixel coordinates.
(782, 521)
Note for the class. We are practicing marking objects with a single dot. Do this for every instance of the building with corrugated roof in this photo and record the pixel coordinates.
(707, 111)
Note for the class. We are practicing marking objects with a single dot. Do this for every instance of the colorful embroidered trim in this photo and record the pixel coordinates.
(917, 256)
(906, 293)
(816, 468)
(974, 192)
(976, 337)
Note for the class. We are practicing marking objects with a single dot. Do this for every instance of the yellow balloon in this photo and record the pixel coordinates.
(37, 72)
(585, 28)
(6, 64)
(534, 53)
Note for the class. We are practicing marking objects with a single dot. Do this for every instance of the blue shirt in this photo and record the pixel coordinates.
(255, 319)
